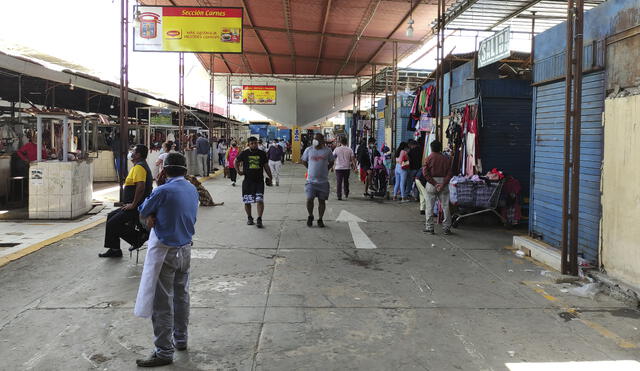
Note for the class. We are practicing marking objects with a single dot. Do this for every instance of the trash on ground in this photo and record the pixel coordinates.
(520, 254)
(590, 290)
(511, 353)
(510, 270)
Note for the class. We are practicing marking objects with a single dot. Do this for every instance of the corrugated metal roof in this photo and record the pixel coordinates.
(493, 15)
(318, 37)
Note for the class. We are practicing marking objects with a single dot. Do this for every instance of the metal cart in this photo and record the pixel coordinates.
(474, 198)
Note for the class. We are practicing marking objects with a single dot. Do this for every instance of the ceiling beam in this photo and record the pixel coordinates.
(286, 10)
(306, 57)
(324, 28)
(331, 34)
(404, 19)
(515, 13)
(364, 22)
(264, 46)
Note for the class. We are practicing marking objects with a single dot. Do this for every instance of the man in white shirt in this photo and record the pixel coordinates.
(345, 161)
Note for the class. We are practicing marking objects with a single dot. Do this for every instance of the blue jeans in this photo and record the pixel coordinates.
(411, 175)
(400, 185)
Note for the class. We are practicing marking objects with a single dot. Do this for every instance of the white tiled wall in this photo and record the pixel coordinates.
(104, 167)
(65, 193)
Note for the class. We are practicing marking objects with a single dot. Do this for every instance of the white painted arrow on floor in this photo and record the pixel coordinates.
(360, 239)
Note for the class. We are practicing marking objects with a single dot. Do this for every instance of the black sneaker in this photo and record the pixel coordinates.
(447, 231)
(339, 198)
(430, 231)
(259, 223)
(250, 221)
(422, 212)
(233, 184)
(111, 253)
(153, 361)
(181, 347)
(320, 223)
(310, 221)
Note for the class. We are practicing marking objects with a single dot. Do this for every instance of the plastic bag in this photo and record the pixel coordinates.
(590, 290)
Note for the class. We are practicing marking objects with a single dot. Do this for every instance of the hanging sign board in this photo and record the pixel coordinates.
(494, 48)
(253, 94)
(187, 29)
(160, 116)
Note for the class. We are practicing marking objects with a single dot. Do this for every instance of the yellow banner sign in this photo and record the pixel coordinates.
(188, 29)
(254, 94)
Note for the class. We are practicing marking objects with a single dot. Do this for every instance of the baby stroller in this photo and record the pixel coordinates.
(379, 179)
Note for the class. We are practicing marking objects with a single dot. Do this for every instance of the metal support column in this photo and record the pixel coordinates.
(211, 92)
(440, 69)
(573, 112)
(181, 101)
(124, 92)
(373, 101)
(533, 34)
(394, 102)
(228, 124)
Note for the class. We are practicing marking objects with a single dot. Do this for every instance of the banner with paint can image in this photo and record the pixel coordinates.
(188, 29)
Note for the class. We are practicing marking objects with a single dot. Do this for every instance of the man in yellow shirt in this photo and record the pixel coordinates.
(121, 222)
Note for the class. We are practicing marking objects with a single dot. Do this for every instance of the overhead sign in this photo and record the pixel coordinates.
(253, 94)
(495, 48)
(188, 29)
(160, 116)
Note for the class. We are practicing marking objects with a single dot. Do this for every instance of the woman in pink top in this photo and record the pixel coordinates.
(345, 161)
(232, 153)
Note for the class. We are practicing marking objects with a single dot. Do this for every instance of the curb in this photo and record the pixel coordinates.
(617, 289)
(39, 245)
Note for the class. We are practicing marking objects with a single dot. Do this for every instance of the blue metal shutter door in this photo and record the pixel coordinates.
(546, 217)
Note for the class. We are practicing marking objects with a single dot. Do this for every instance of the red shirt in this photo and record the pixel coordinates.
(30, 152)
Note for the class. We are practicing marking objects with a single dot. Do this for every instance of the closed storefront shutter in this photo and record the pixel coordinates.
(548, 157)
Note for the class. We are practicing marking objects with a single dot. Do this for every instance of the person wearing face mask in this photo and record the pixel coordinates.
(318, 159)
(121, 222)
(170, 212)
(366, 156)
(276, 159)
(232, 154)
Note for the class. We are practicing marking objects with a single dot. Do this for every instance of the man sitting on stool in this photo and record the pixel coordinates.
(121, 222)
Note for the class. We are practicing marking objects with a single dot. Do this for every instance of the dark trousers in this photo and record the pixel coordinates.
(233, 174)
(342, 177)
(221, 158)
(120, 224)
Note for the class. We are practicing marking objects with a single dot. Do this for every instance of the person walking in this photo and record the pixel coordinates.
(437, 172)
(231, 156)
(121, 222)
(202, 155)
(366, 156)
(402, 165)
(345, 160)
(415, 164)
(222, 151)
(254, 163)
(318, 159)
(276, 160)
(170, 213)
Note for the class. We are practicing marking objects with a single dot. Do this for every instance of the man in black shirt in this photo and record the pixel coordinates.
(254, 162)
(415, 164)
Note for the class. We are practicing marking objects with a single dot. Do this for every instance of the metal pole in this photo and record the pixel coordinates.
(19, 98)
(441, 97)
(533, 34)
(211, 91)
(124, 92)
(65, 139)
(394, 103)
(181, 100)
(228, 124)
(567, 137)
(39, 138)
(373, 101)
(575, 150)
(438, 69)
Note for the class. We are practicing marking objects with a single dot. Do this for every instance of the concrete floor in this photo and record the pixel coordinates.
(291, 297)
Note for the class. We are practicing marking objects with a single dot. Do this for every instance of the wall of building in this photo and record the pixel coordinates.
(620, 193)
